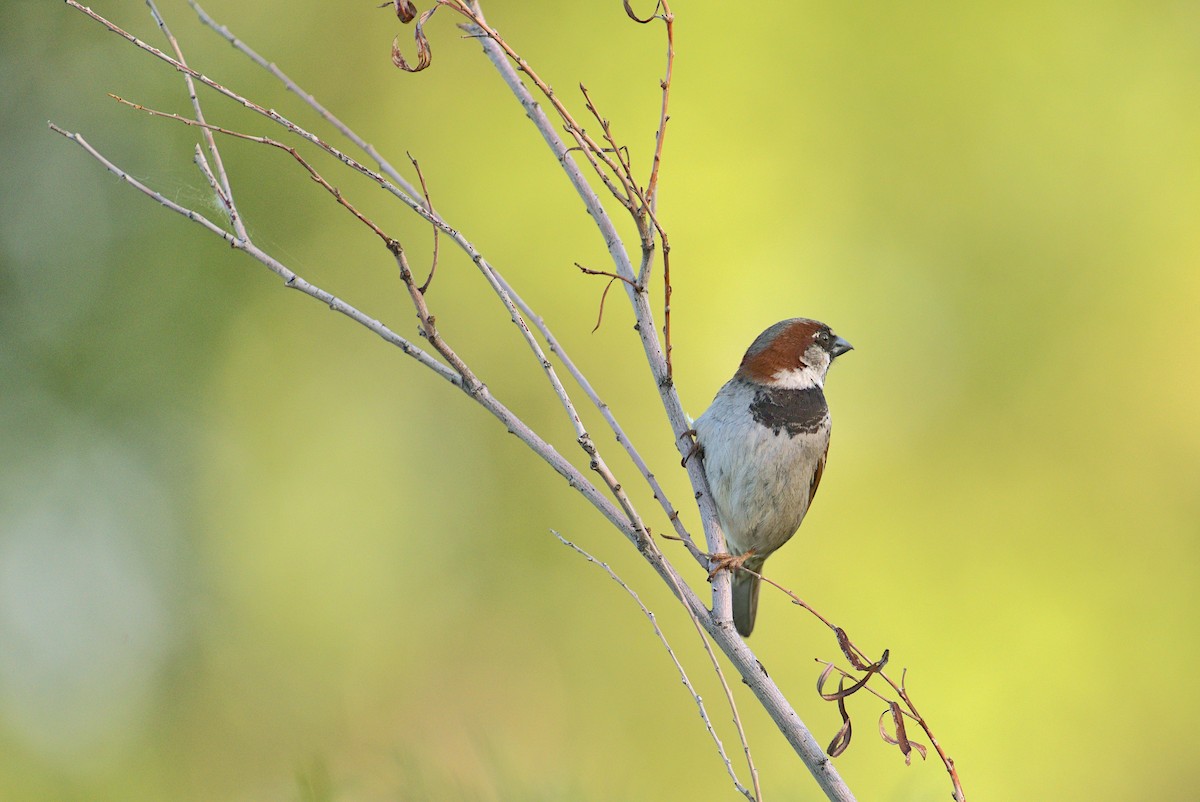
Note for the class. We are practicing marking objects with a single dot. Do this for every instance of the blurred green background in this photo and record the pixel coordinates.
(249, 553)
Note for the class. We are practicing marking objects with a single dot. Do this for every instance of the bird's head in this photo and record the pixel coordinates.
(793, 354)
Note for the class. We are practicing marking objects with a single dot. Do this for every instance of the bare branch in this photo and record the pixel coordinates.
(659, 494)
(652, 186)
(218, 165)
(612, 240)
(687, 683)
(202, 163)
(480, 394)
(720, 627)
(384, 166)
(290, 279)
(470, 382)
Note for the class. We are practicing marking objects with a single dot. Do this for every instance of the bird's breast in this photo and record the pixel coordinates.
(762, 447)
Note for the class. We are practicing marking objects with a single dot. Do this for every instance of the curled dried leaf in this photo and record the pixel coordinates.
(841, 740)
(883, 733)
(841, 692)
(901, 738)
(424, 55)
(636, 18)
(844, 644)
(920, 747)
(821, 682)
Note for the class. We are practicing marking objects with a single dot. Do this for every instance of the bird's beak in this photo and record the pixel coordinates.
(839, 347)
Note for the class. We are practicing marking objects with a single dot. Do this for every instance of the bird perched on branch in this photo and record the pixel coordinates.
(764, 441)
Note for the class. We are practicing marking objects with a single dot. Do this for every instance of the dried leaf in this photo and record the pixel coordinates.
(405, 10)
(636, 18)
(901, 737)
(603, 297)
(883, 733)
(821, 683)
(844, 644)
(424, 56)
(843, 693)
(841, 740)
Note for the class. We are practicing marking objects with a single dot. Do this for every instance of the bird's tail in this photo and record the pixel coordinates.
(745, 598)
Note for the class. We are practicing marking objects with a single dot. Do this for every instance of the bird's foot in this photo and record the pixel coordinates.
(727, 562)
(695, 449)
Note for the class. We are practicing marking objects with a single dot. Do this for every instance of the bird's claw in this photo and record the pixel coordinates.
(723, 561)
(695, 449)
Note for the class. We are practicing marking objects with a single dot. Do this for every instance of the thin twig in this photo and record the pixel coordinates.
(604, 295)
(398, 189)
(669, 21)
(470, 382)
(679, 421)
(587, 271)
(687, 682)
(858, 656)
(385, 167)
(429, 328)
(218, 165)
(624, 171)
(481, 395)
(489, 272)
(667, 347)
(213, 183)
(436, 232)
(660, 495)
(291, 280)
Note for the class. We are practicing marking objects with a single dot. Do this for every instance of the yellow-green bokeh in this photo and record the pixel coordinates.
(247, 551)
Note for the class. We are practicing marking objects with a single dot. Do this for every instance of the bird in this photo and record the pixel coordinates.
(764, 440)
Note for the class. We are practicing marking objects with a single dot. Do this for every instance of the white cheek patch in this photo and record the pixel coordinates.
(797, 379)
(810, 374)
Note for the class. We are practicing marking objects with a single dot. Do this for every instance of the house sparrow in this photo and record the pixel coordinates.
(764, 441)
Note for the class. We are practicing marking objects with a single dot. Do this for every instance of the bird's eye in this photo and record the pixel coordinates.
(824, 337)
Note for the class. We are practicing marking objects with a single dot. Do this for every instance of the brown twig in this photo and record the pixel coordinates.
(589, 145)
(590, 272)
(862, 663)
(428, 323)
(662, 10)
(640, 203)
(604, 295)
(306, 97)
(669, 22)
(261, 140)
(436, 232)
(625, 172)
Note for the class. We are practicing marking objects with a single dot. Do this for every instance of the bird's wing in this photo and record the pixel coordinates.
(816, 478)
